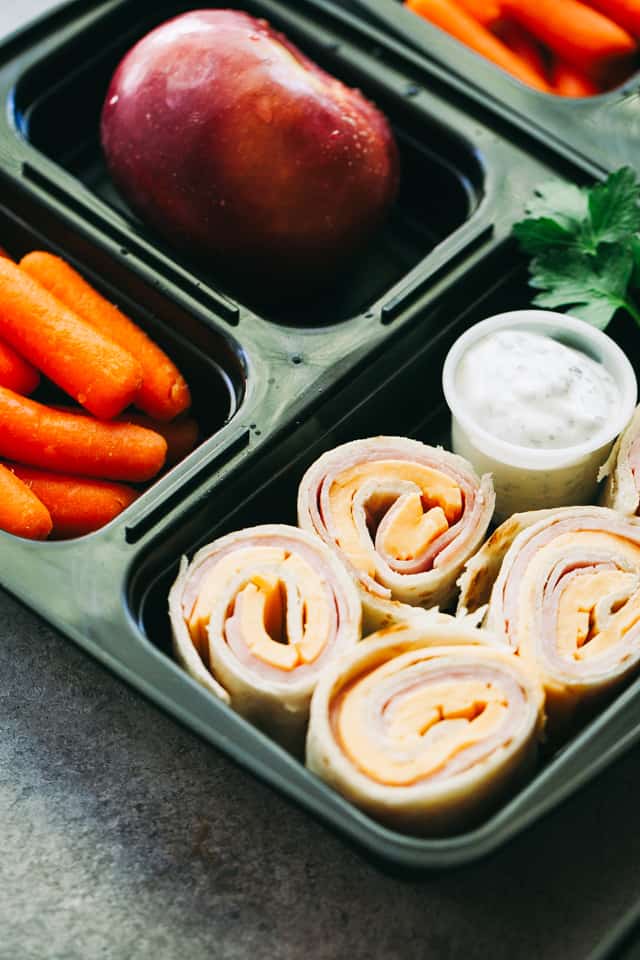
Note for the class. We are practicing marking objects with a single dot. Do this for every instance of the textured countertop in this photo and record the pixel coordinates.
(123, 835)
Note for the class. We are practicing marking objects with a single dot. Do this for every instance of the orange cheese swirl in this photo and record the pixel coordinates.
(257, 615)
(421, 726)
(404, 516)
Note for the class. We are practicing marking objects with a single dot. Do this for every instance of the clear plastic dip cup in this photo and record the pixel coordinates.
(533, 478)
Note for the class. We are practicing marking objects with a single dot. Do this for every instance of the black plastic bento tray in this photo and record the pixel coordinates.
(601, 131)
(270, 395)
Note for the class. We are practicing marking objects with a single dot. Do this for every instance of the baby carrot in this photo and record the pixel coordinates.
(163, 393)
(569, 82)
(524, 46)
(458, 23)
(39, 436)
(93, 369)
(486, 12)
(15, 372)
(180, 434)
(77, 505)
(21, 512)
(626, 13)
(576, 33)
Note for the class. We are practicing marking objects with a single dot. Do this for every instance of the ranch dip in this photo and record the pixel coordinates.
(532, 391)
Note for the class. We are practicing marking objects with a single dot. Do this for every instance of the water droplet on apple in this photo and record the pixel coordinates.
(114, 100)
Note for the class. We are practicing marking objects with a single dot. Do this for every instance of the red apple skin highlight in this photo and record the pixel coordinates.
(237, 148)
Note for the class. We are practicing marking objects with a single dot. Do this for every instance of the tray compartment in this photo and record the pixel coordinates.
(211, 362)
(400, 394)
(442, 180)
(601, 131)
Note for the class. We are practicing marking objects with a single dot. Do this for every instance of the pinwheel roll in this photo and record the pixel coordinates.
(257, 616)
(423, 727)
(404, 516)
(622, 471)
(566, 597)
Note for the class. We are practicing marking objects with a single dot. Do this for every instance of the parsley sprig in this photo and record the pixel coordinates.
(585, 245)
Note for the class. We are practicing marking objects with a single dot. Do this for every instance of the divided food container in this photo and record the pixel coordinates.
(600, 131)
(272, 388)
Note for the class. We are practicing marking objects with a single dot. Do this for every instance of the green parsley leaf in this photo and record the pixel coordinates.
(594, 287)
(614, 208)
(585, 246)
(565, 203)
(634, 244)
(536, 236)
(556, 216)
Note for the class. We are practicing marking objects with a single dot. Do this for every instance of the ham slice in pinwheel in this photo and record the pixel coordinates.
(563, 589)
(257, 616)
(424, 726)
(404, 516)
(622, 471)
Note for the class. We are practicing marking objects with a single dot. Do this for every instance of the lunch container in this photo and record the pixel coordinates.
(601, 131)
(622, 941)
(272, 389)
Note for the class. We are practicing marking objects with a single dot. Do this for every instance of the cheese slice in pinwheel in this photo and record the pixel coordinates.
(257, 616)
(565, 595)
(423, 727)
(622, 471)
(404, 516)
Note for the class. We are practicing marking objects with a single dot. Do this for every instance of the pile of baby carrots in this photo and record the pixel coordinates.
(67, 469)
(564, 47)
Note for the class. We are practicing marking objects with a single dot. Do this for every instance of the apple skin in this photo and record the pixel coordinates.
(237, 148)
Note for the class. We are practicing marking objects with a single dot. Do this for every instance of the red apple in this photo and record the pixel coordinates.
(236, 147)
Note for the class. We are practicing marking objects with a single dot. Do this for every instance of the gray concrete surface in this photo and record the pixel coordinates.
(125, 836)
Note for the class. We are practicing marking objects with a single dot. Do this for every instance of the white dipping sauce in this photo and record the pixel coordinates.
(529, 390)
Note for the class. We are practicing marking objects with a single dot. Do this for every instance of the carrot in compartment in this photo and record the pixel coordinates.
(77, 505)
(86, 364)
(576, 33)
(163, 393)
(486, 12)
(525, 46)
(626, 13)
(16, 373)
(21, 512)
(181, 434)
(40, 436)
(569, 82)
(458, 23)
